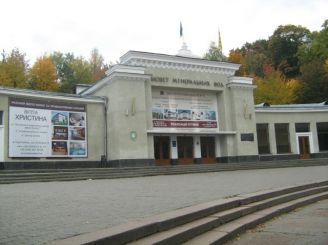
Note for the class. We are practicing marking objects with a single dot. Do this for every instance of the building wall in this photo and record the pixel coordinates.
(292, 117)
(127, 121)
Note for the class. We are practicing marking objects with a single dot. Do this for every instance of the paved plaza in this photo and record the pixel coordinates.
(36, 213)
(306, 225)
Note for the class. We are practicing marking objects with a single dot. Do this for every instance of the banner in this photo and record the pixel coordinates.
(181, 109)
(46, 129)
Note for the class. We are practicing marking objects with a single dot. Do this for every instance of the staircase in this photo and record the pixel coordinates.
(41, 175)
(208, 223)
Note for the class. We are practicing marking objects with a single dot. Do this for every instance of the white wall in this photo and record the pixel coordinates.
(2, 145)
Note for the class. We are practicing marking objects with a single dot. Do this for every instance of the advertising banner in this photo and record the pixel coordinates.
(46, 129)
(181, 109)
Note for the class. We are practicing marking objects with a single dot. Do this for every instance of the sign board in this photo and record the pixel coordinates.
(46, 129)
(184, 109)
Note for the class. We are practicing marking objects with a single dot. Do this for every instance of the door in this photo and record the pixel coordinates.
(304, 146)
(185, 150)
(207, 145)
(162, 150)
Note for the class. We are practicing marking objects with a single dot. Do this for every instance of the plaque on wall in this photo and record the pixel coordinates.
(247, 137)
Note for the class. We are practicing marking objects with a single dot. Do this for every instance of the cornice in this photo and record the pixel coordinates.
(163, 61)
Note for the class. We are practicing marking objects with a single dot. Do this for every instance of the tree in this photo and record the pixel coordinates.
(283, 47)
(98, 67)
(13, 69)
(43, 75)
(236, 56)
(274, 89)
(214, 53)
(316, 48)
(313, 83)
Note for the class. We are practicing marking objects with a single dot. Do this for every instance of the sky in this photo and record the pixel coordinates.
(39, 27)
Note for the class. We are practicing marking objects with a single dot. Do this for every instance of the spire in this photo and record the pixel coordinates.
(184, 51)
(220, 42)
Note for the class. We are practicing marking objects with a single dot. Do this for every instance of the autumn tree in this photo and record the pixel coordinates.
(43, 75)
(236, 56)
(274, 89)
(283, 46)
(13, 69)
(98, 67)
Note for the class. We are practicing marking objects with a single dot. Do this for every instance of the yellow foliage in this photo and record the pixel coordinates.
(275, 90)
(43, 75)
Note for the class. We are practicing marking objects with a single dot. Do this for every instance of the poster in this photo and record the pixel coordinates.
(46, 129)
(183, 109)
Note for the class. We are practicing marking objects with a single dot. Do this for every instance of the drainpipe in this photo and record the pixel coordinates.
(105, 157)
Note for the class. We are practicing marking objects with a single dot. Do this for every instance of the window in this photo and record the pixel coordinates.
(263, 138)
(1, 117)
(302, 127)
(322, 129)
(282, 137)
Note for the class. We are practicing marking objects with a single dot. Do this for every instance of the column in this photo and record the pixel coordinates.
(197, 149)
(314, 131)
(174, 149)
(272, 139)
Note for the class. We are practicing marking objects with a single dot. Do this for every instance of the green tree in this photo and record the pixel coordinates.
(43, 75)
(316, 48)
(283, 47)
(13, 69)
(214, 53)
(313, 83)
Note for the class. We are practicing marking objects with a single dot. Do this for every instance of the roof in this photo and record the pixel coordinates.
(148, 59)
(49, 95)
(292, 107)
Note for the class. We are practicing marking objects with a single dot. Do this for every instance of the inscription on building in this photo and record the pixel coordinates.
(186, 81)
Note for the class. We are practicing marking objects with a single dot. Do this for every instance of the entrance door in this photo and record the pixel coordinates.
(162, 150)
(185, 150)
(207, 145)
(304, 146)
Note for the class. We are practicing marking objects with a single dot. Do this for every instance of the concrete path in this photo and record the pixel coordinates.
(36, 213)
(307, 225)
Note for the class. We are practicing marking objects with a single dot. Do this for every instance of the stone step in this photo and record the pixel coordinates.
(177, 226)
(190, 230)
(227, 231)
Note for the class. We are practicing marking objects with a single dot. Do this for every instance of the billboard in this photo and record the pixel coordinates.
(46, 129)
(184, 109)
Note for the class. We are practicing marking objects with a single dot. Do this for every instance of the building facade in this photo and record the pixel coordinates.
(157, 109)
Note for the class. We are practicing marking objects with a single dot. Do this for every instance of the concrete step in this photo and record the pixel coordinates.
(227, 231)
(190, 230)
(180, 225)
(21, 176)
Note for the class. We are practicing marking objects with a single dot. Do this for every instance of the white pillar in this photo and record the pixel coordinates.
(174, 147)
(197, 148)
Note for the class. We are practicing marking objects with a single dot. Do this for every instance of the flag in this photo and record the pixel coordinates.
(181, 30)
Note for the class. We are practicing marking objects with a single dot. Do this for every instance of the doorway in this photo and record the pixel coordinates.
(162, 150)
(207, 145)
(304, 147)
(185, 149)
